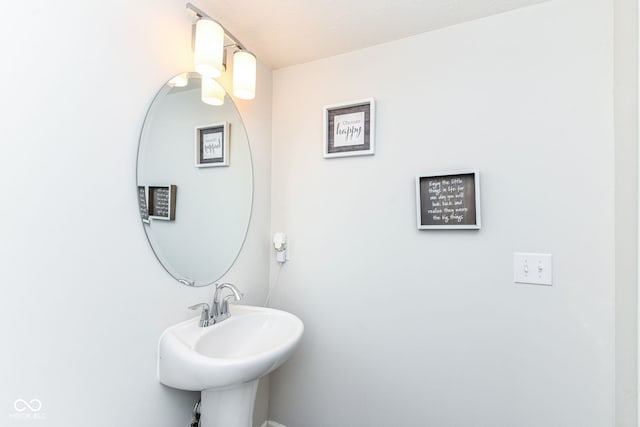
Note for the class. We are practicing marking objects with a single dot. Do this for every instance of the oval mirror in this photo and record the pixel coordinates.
(194, 182)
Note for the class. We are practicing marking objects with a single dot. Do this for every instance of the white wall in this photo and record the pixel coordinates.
(425, 328)
(626, 130)
(83, 297)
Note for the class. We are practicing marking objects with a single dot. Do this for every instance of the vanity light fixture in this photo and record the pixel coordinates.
(212, 92)
(244, 75)
(181, 80)
(210, 49)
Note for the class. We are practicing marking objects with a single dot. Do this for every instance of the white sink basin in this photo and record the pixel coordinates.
(248, 345)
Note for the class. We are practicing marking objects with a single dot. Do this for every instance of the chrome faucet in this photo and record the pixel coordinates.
(219, 310)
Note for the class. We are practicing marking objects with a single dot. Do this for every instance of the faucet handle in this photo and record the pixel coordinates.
(204, 317)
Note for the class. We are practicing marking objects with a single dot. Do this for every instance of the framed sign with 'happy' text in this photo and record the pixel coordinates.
(349, 128)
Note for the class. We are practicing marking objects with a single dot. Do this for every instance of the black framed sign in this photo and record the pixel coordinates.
(212, 145)
(142, 203)
(448, 200)
(349, 128)
(162, 202)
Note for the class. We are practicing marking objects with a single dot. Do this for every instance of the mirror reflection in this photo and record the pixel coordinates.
(195, 183)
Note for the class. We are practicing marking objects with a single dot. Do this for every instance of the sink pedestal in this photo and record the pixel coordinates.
(228, 407)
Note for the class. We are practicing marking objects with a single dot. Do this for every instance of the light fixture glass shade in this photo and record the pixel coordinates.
(209, 48)
(181, 80)
(212, 92)
(244, 75)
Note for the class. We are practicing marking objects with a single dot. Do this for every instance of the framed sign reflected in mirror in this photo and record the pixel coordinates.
(212, 145)
(162, 202)
(142, 203)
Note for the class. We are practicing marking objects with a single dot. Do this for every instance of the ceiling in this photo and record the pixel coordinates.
(288, 32)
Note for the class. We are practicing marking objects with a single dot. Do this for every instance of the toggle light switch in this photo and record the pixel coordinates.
(532, 268)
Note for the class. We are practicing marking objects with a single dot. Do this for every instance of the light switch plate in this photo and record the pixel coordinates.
(532, 268)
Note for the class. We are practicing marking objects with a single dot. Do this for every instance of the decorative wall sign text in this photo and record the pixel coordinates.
(349, 129)
(142, 203)
(162, 202)
(448, 200)
(212, 145)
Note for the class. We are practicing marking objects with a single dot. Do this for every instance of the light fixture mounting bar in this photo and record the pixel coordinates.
(200, 14)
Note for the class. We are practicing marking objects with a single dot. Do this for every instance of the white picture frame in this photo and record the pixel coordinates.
(349, 128)
(212, 145)
(448, 200)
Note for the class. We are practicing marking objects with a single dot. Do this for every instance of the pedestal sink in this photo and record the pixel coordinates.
(224, 361)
